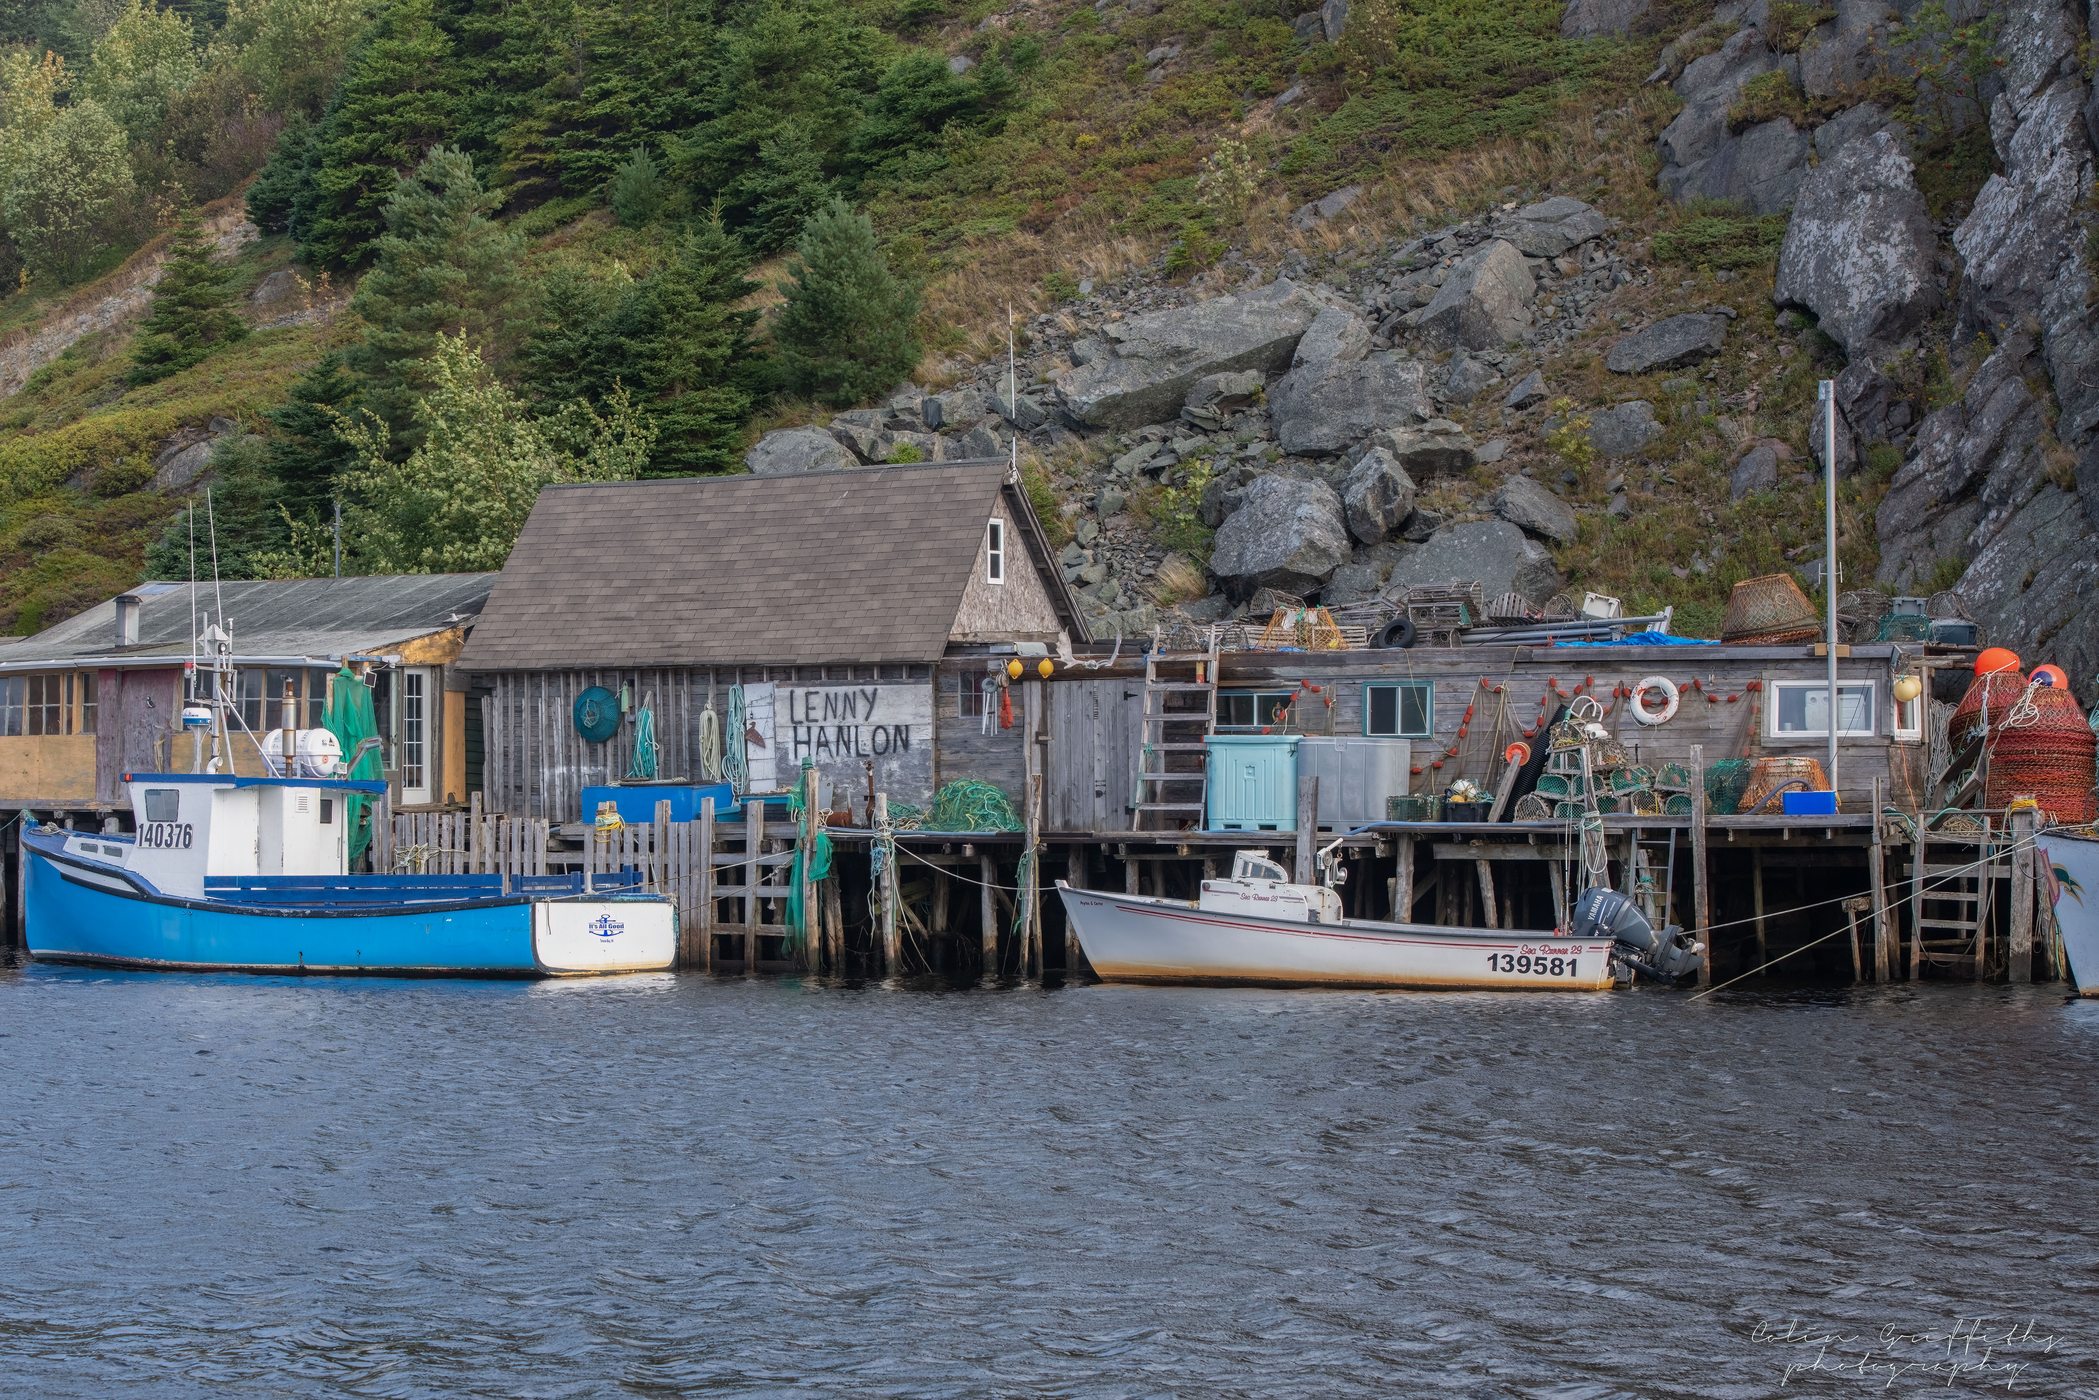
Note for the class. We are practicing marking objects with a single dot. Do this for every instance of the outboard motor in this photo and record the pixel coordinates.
(1669, 956)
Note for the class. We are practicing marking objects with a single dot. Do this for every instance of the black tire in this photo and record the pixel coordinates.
(1398, 633)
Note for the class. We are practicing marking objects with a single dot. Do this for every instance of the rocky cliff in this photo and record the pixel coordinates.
(1543, 388)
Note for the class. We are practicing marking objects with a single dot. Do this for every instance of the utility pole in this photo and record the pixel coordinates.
(338, 537)
(1828, 394)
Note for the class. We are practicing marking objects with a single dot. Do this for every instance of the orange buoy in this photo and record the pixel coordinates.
(1517, 753)
(2051, 675)
(1995, 659)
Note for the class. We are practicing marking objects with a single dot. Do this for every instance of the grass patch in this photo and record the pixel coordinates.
(1717, 237)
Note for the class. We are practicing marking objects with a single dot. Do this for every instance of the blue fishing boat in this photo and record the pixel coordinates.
(230, 873)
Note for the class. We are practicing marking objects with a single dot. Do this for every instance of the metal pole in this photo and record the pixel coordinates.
(1828, 395)
(338, 537)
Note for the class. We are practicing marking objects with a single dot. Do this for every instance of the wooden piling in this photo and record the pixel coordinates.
(1883, 931)
(704, 904)
(1916, 899)
(987, 911)
(885, 894)
(1403, 880)
(1307, 828)
(1756, 902)
(1701, 874)
(2019, 956)
(753, 841)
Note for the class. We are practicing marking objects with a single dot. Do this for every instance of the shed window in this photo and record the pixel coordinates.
(1399, 710)
(972, 697)
(87, 703)
(262, 698)
(995, 552)
(1800, 710)
(1247, 711)
(12, 689)
(50, 706)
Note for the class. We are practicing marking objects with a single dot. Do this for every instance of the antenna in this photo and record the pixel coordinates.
(211, 523)
(192, 507)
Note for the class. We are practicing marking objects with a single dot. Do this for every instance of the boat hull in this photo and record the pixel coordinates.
(1131, 938)
(75, 912)
(2073, 892)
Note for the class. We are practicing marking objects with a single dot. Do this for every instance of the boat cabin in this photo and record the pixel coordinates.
(235, 827)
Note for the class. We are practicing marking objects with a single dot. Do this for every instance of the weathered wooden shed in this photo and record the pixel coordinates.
(99, 695)
(856, 614)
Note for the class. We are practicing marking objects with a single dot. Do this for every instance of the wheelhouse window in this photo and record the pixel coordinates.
(1250, 711)
(1399, 710)
(1800, 710)
(995, 552)
(262, 697)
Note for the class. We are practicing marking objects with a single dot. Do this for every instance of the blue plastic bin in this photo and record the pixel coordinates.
(636, 802)
(1252, 782)
(1808, 804)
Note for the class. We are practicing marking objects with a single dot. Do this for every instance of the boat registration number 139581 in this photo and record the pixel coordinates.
(1536, 964)
(166, 835)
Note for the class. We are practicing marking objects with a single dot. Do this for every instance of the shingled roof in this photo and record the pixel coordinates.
(815, 568)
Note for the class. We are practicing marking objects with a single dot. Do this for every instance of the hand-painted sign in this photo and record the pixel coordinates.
(843, 728)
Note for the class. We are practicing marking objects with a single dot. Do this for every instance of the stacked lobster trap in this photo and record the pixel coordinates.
(1588, 771)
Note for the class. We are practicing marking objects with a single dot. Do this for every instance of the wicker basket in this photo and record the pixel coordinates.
(1771, 774)
(1768, 611)
(1985, 703)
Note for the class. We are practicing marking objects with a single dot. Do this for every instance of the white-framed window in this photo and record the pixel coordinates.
(1399, 710)
(415, 693)
(1800, 710)
(1908, 718)
(995, 552)
(1250, 711)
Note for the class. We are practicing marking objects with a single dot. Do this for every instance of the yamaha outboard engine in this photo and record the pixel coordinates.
(1669, 956)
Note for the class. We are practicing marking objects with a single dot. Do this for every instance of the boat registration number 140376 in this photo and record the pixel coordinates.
(166, 835)
(1536, 964)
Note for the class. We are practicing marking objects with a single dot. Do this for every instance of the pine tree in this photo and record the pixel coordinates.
(637, 191)
(443, 265)
(192, 313)
(686, 353)
(846, 332)
(304, 452)
(395, 101)
(570, 352)
(275, 192)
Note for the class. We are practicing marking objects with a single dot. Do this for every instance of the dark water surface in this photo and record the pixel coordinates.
(234, 1185)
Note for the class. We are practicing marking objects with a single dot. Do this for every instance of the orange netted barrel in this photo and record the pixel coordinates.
(1989, 699)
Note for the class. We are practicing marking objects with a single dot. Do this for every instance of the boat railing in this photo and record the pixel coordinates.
(394, 889)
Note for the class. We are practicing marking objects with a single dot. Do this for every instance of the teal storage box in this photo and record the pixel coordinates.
(1252, 782)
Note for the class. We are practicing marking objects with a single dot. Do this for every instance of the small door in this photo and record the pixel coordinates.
(415, 734)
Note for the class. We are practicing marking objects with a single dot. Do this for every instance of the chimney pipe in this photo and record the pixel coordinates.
(128, 606)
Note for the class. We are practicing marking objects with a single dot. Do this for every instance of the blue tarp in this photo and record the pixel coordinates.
(1646, 639)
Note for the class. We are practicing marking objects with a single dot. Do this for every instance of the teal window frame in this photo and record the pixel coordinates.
(1399, 730)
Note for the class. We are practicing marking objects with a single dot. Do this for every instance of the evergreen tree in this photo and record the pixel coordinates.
(686, 353)
(636, 190)
(275, 192)
(247, 515)
(192, 313)
(443, 265)
(304, 453)
(783, 187)
(846, 331)
(636, 76)
(570, 352)
(394, 101)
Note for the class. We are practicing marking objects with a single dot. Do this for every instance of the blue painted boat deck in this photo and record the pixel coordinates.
(303, 891)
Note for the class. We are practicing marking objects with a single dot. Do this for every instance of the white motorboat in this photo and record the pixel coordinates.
(1259, 928)
(2073, 894)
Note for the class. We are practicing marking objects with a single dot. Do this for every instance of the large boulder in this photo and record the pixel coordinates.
(1154, 359)
(1623, 430)
(1551, 226)
(1859, 250)
(1336, 333)
(1535, 510)
(1756, 470)
(1327, 408)
(1377, 496)
(1287, 532)
(1438, 447)
(1598, 19)
(1704, 157)
(1216, 397)
(1484, 302)
(790, 450)
(1494, 553)
(1668, 343)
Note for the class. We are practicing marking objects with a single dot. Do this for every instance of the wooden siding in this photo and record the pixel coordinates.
(1018, 610)
(965, 747)
(140, 712)
(1093, 742)
(535, 764)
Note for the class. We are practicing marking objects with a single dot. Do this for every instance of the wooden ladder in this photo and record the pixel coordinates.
(1180, 714)
(1953, 896)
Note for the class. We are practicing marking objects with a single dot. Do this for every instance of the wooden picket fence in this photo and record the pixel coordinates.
(730, 879)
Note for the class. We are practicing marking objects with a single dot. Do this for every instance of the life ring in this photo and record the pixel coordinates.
(1668, 710)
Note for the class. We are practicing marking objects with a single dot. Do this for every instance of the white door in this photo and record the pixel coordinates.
(415, 733)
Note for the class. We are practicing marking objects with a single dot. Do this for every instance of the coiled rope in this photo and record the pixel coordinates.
(734, 765)
(642, 766)
(710, 745)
